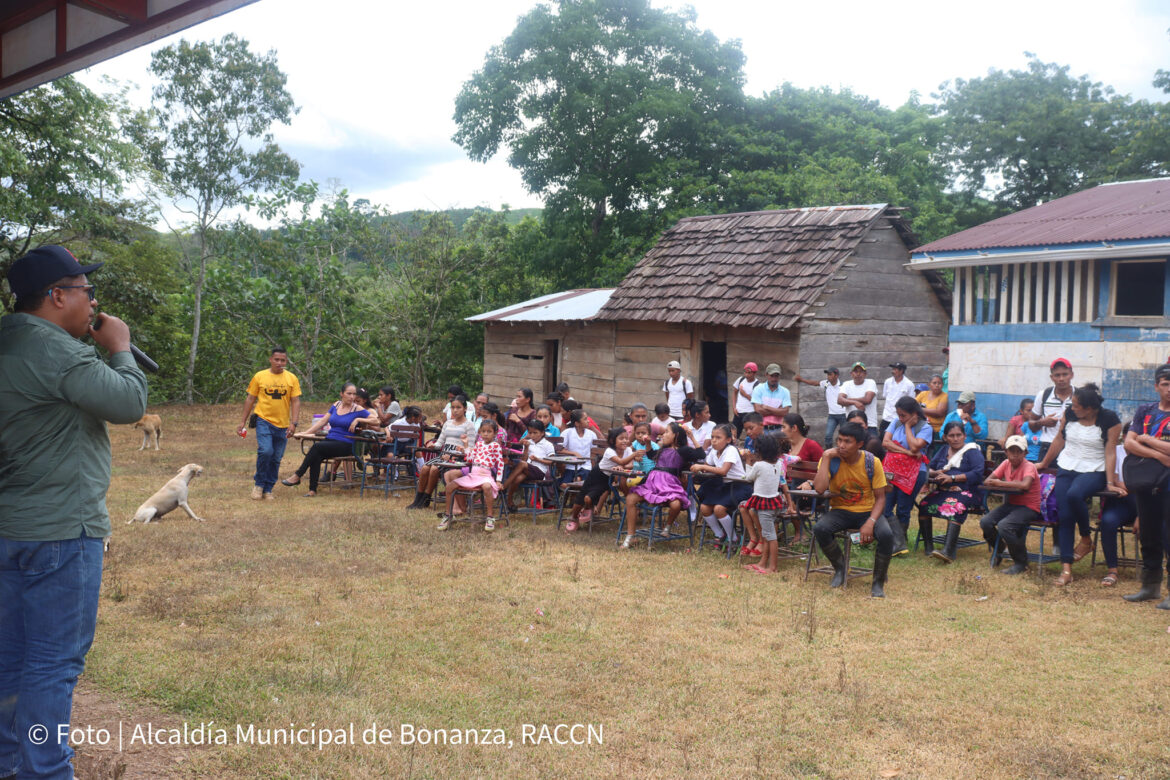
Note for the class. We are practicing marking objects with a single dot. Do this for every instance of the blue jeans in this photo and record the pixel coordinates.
(48, 612)
(833, 422)
(1073, 490)
(904, 502)
(1115, 513)
(270, 443)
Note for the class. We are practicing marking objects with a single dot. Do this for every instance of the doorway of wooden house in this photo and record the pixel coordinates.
(552, 354)
(713, 355)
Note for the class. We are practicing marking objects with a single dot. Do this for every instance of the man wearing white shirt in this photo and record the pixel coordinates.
(894, 388)
(677, 389)
(1050, 404)
(743, 388)
(831, 387)
(860, 393)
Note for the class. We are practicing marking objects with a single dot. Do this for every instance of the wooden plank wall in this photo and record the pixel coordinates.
(763, 347)
(513, 358)
(875, 310)
(642, 351)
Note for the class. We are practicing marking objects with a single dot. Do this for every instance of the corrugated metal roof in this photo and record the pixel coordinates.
(760, 269)
(568, 305)
(1110, 212)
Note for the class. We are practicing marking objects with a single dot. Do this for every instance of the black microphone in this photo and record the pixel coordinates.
(140, 357)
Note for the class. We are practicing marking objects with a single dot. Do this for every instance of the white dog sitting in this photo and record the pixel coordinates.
(171, 495)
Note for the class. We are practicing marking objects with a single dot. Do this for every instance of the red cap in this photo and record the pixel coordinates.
(1058, 361)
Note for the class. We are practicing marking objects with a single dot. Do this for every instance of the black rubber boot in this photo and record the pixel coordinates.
(881, 568)
(1164, 603)
(947, 554)
(426, 501)
(1019, 553)
(1151, 587)
(926, 531)
(833, 552)
(900, 547)
(418, 498)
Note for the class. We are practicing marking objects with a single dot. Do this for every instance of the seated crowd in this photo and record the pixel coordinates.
(1063, 449)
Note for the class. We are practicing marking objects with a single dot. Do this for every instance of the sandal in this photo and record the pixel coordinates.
(1064, 579)
(1109, 580)
(571, 526)
(311, 494)
(290, 482)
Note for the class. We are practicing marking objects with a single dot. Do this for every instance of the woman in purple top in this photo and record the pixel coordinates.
(342, 419)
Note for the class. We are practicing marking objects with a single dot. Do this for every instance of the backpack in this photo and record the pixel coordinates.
(835, 464)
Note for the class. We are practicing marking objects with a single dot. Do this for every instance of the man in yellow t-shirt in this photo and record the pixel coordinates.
(275, 394)
(858, 484)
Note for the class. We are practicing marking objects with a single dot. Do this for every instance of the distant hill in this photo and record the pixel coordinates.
(459, 216)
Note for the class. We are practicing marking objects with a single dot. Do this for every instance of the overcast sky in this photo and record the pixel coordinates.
(376, 81)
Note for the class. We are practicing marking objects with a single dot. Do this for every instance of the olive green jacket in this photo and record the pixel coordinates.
(56, 396)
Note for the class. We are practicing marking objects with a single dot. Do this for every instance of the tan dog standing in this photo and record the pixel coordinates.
(151, 425)
(171, 495)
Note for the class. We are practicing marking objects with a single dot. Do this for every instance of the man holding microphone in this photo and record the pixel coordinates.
(56, 396)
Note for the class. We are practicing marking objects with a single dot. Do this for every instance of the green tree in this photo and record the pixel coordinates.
(64, 162)
(1027, 136)
(612, 111)
(210, 143)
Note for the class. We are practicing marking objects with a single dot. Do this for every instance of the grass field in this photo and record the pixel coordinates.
(339, 610)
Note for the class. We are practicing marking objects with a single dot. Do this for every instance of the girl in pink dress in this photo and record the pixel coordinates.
(487, 463)
(662, 485)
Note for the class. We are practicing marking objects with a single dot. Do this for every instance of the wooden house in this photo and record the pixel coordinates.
(805, 288)
(1082, 277)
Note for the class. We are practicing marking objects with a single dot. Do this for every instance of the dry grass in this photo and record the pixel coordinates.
(339, 610)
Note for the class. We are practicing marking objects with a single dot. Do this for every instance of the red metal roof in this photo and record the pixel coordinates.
(1124, 211)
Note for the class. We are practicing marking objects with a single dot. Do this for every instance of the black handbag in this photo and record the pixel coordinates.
(1143, 475)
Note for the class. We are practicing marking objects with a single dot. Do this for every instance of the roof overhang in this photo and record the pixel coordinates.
(1106, 250)
(41, 40)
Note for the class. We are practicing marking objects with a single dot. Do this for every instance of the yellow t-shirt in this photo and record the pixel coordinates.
(274, 394)
(851, 483)
(938, 404)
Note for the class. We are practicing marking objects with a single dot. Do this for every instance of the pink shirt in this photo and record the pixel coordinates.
(1031, 499)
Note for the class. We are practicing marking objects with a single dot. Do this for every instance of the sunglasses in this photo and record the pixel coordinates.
(90, 289)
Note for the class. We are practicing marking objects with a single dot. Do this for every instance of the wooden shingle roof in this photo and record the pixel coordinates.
(761, 269)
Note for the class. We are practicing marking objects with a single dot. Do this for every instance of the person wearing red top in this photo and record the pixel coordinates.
(1011, 519)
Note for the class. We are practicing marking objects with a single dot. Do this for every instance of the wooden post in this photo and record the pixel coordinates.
(1050, 308)
(969, 294)
(1026, 314)
(1064, 284)
(954, 297)
(1091, 290)
(1014, 293)
(1077, 305)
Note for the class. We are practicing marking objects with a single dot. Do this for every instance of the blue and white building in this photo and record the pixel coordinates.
(1082, 277)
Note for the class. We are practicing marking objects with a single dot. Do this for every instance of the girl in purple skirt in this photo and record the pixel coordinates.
(662, 485)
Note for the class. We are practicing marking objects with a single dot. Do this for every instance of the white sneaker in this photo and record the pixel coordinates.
(627, 541)
(489, 525)
(257, 493)
(444, 524)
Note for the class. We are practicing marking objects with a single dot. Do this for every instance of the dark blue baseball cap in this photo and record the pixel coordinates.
(43, 266)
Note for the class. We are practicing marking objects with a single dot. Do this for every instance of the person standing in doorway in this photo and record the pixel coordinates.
(678, 389)
(895, 387)
(56, 396)
(275, 395)
(860, 393)
(1051, 404)
(743, 388)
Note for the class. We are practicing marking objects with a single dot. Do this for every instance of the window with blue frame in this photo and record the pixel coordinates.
(1139, 288)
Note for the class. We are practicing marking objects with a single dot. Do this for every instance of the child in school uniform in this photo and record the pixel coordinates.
(535, 465)
(700, 427)
(644, 446)
(618, 454)
(578, 439)
(769, 498)
(661, 421)
(719, 497)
